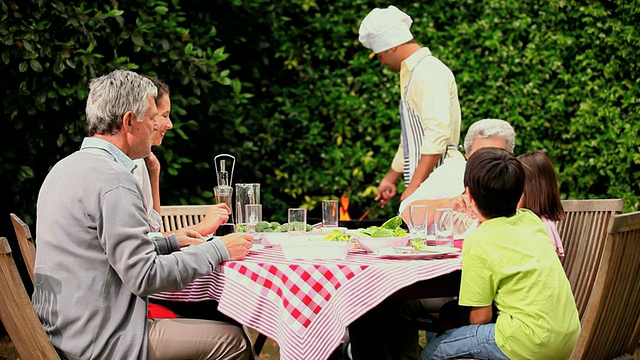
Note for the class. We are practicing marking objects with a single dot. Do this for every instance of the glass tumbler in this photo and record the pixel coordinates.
(297, 220)
(443, 220)
(329, 213)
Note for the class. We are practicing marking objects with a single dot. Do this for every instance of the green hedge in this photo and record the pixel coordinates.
(287, 88)
(52, 48)
(565, 74)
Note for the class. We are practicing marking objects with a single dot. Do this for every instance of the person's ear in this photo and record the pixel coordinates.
(127, 121)
(520, 202)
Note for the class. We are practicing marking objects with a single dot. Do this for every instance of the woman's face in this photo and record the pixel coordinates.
(163, 120)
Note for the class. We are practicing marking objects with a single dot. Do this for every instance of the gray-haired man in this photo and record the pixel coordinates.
(445, 185)
(95, 265)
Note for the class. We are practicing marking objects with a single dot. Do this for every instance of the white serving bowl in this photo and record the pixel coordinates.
(315, 250)
(326, 230)
(374, 243)
(280, 238)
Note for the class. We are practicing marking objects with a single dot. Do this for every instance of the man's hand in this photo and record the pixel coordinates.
(386, 191)
(460, 203)
(387, 188)
(188, 237)
(238, 244)
(463, 203)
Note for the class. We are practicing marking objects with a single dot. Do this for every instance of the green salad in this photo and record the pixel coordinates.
(274, 226)
(390, 228)
(418, 244)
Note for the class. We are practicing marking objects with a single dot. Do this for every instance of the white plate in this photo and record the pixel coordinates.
(433, 252)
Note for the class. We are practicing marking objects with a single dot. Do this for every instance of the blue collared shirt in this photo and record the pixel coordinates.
(93, 144)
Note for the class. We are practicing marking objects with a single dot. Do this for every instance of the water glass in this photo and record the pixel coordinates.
(330, 213)
(297, 220)
(246, 194)
(443, 220)
(418, 220)
(253, 215)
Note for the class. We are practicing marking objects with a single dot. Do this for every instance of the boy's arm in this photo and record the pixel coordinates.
(481, 315)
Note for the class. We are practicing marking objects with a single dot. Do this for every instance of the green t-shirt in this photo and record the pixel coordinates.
(512, 263)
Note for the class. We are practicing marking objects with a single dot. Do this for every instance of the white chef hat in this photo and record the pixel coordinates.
(383, 29)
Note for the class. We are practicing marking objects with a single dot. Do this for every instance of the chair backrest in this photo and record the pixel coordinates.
(18, 315)
(610, 326)
(25, 241)
(583, 232)
(175, 217)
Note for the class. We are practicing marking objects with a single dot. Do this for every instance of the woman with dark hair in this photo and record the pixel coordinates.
(541, 193)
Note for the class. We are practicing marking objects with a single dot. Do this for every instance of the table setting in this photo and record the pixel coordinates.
(302, 285)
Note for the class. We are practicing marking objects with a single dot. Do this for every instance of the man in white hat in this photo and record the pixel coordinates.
(429, 106)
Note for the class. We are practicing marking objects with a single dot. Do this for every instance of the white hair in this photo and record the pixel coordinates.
(113, 95)
(488, 128)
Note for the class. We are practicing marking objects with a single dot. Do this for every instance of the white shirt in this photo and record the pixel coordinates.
(447, 180)
(142, 176)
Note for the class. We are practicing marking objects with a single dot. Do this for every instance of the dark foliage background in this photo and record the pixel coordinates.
(287, 88)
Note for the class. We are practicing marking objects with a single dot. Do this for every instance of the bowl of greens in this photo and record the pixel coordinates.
(389, 234)
(274, 233)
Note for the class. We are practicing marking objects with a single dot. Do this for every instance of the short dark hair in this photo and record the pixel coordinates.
(541, 193)
(496, 180)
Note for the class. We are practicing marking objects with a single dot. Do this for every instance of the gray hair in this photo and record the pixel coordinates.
(487, 128)
(113, 95)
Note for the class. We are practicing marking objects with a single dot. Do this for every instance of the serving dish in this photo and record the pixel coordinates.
(373, 243)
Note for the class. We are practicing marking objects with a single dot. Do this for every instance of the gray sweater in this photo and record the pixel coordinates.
(95, 264)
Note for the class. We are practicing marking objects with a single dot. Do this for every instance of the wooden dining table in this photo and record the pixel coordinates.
(306, 305)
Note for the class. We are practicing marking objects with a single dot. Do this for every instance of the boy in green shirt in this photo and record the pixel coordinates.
(510, 262)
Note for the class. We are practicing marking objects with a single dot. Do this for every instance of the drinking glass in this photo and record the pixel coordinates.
(329, 213)
(418, 221)
(246, 194)
(223, 195)
(253, 215)
(297, 220)
(443, 220)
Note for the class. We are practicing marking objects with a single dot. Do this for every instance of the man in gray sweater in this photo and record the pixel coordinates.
(95, 265)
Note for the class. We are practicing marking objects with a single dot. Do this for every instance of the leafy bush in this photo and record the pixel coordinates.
(331, 113)
(287, 88)
(51, 50)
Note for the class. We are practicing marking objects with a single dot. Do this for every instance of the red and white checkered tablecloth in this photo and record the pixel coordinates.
(305, 305)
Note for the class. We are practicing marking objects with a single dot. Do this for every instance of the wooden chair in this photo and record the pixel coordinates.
(583, 234)
(26, 243)
(610, 325)
(175, 217)
(18, 315)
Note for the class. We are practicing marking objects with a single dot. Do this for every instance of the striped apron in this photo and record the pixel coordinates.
(412, 134)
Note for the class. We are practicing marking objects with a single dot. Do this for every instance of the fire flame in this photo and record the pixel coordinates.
(344, 207)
